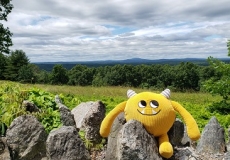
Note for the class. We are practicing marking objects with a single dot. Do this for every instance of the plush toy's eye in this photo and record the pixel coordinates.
(142, 104)
(154, 104)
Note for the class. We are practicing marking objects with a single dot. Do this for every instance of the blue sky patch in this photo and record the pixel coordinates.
(116, 30)
(209, 38)
(36, 21)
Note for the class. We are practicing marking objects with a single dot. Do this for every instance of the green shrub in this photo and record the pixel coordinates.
(11, 98)
(219, 85)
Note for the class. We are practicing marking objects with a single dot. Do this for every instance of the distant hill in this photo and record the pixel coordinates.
(134, 61)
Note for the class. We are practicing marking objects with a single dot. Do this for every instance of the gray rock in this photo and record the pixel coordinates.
(57, 99)
(67, 117)
(88, 117)
(176, 133)
(65, 144)
(135, 143)
(184, 153)
(80, 112)
(228, 139)
(186, 141)
(112, 139)
(26, 138)
(228, 135)
(212, 138)
(4, 151)
(227, 156)
(29, 106)
(228, 153)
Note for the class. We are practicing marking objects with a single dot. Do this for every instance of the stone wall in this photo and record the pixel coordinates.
(26, 138)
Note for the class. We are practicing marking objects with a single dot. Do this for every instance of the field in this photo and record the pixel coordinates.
(195, 102)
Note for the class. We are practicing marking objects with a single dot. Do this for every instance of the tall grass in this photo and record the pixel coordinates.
(111, 91)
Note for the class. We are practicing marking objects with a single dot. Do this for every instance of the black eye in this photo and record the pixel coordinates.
(154, 104)
(142, 104)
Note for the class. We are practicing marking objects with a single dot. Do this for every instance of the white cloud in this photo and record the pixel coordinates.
(56, 30)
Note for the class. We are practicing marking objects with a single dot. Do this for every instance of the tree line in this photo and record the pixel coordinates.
(184, 76)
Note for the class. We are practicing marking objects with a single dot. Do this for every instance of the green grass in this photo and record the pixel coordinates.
(195, 102)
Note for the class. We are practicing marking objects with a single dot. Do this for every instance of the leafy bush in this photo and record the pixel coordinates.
(11, 98)
(219, 85)
(70, 100)
(49, 115)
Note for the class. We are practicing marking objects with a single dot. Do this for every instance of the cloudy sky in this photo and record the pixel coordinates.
(86, 30)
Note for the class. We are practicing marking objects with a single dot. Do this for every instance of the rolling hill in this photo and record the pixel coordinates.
(134, 61)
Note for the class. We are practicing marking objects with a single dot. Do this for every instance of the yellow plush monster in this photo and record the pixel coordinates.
(157, 114)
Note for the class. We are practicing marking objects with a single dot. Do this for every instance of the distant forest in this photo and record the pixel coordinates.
(179, 75)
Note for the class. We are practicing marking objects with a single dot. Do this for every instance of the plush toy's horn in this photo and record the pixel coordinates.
(130, 93)
(166, 93)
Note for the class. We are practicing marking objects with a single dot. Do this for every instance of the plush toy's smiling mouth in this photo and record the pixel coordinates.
(153, 112)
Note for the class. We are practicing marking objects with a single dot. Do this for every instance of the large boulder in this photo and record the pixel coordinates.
(111, 150)
(26, 138)
(176, 133)
(180, 141)
(65, 143)
(212, 138)
(135, 143)
(88, 117)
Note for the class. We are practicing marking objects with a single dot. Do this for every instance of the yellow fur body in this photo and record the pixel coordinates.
(157, 114)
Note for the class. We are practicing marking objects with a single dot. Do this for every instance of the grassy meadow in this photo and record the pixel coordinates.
(195, 102)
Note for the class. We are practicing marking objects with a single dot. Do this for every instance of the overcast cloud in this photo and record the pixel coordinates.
(86, 30)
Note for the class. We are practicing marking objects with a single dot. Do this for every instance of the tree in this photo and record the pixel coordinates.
(75, 73)
(187, 77)
(220, 85)
(130, 75)
(86, 77)
(59, 75)
(153, 74)
(26, 74)
(5, 34)
(115, 76)
(165, 78)
(44, 77)
(3, 63)
(228, 46)
(16, 60)
(99, 78)
(36, 73)
(207, 72)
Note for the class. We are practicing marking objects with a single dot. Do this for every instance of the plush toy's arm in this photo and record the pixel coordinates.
(192, 128)
(108, 120)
